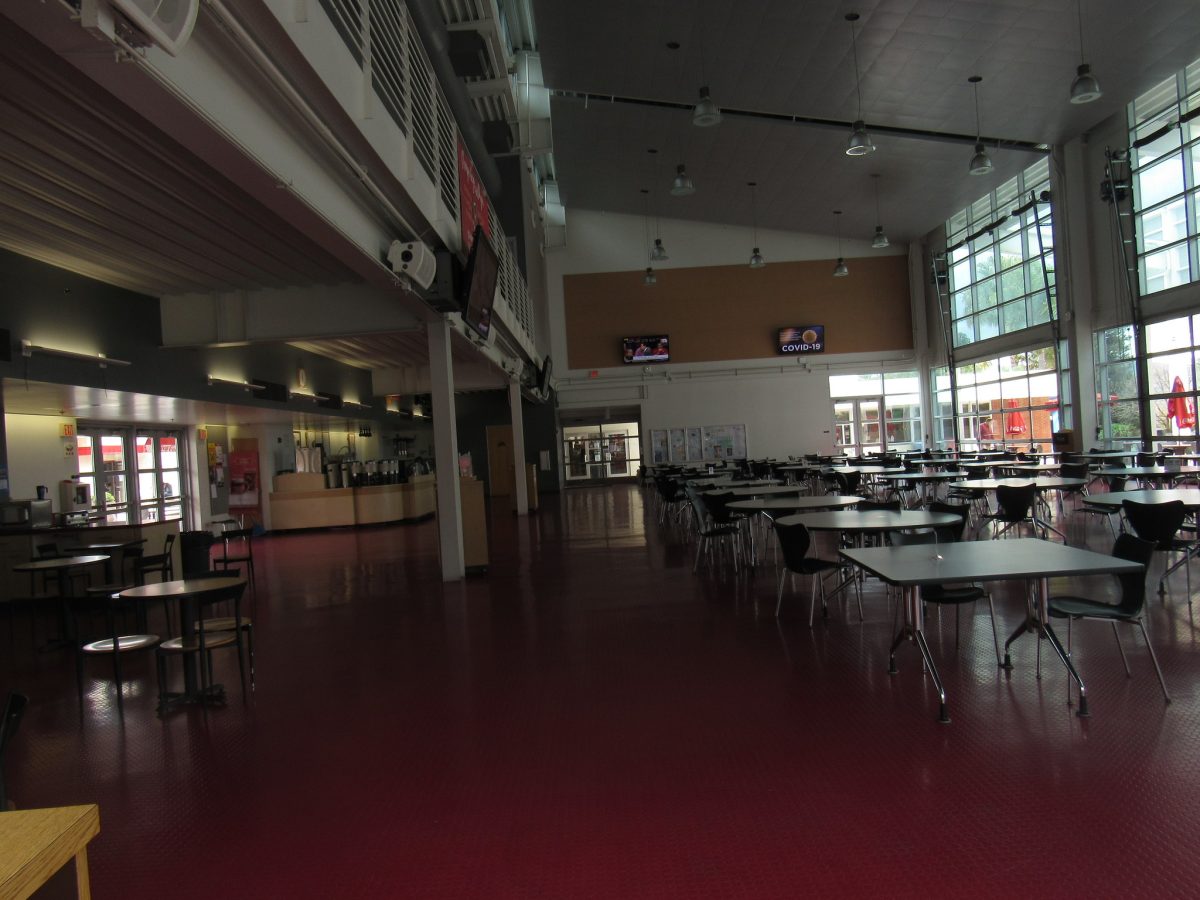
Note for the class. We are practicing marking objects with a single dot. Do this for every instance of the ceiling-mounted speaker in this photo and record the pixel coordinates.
(166, 23)
(414, 260)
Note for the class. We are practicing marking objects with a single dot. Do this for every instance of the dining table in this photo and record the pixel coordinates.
(62, 567)
(1041, 483)
(924, 479)
(36, 843)
(1189, 497)
(188, 593)
(1030, 560)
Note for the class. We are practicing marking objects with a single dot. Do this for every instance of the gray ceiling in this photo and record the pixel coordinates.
(794, 57)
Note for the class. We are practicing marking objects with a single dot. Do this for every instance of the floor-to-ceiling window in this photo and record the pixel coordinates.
(1166, 195)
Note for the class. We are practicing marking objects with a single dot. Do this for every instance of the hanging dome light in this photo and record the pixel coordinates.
(880, 240)
(706, 114)
(649, 279)
(683, 185)
(756, 260)
(658, 252)
(859, 142)
(840, 270)
(981, 163)
(1085, 88)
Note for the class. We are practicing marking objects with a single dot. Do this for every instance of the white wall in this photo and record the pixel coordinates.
(785, 407)
(36, 455)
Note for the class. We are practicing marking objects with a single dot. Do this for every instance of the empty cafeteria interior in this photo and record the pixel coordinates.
(505, 640)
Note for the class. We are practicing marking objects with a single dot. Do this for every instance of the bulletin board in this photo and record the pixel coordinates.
(659, 447)
(678, 445)
(724, 441)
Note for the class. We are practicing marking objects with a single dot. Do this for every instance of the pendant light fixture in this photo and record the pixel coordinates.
(880, 240)
(840, 270)
(683, 186)
(756, 258)
(649, 279)
(658, 253)
(1085, 88)
(859, 143)
(706, 113)
(981, 163)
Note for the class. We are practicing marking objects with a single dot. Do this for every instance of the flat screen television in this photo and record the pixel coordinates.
(483, 267)
(651, 349)
(802, 339)
(543, 382)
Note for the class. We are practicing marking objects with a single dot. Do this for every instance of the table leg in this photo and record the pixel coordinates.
(83, 886)
(1037, 620)
(914, 629)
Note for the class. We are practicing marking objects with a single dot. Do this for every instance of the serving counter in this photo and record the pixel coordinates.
(301, 500)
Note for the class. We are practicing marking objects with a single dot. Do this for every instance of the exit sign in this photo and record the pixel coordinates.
(66, 429)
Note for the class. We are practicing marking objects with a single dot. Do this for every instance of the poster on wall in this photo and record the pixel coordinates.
(658, 447)
(695, 445)
(243, 479)
(725, 441)
(216, 468)
(678, 445)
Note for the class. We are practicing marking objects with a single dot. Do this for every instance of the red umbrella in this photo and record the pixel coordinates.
(1180, 408)
(1015, 419)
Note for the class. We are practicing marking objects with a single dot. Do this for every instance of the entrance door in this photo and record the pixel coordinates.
(857, 427)
(501, 478)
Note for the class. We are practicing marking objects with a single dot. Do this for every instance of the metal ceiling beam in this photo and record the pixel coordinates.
(919, 134)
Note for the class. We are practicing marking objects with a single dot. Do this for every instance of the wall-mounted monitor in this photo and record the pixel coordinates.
(483, 268)
(543, 382)
(652, 349)
(802, 339)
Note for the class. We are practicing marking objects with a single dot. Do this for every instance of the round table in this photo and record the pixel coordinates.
(766, 490)
(1190, 497)
(62, 566)
(871, 520)
(187, 591)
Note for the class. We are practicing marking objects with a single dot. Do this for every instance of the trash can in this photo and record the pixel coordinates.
(194, 548)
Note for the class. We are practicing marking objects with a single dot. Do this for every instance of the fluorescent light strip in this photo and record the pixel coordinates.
(28, 348)
(244, 385)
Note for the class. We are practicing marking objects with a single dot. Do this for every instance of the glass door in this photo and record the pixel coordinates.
(160, 478)
(857, 426)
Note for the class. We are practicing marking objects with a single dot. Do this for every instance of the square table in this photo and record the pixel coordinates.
(1032, 560)
(39, 842)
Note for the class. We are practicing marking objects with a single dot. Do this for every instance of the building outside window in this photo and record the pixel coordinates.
(998, 281)
(1165, 170)
(601, 451)
(152, 489)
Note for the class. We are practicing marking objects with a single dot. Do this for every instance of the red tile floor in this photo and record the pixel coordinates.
(593, 720)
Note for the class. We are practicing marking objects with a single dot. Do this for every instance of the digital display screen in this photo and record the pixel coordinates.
(655, 348)
(802, 339)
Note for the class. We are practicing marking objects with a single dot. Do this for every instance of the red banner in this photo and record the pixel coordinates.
(243, 479)
(472, 200)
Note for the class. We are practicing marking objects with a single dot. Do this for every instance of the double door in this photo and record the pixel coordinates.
(858, 426)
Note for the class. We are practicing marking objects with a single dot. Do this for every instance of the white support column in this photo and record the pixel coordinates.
(445, 438)
(518, 447)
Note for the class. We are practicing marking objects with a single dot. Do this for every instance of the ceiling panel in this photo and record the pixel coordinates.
(794, 57)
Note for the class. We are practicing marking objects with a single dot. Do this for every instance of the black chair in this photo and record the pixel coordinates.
(159, 564)
(794, 543)
(941, 595)
(947, 534)
(10, 720)
(1159, 523)
(1014, 507)
(671, 497)
(237, 550)
(1127, 610)
(114, 645)
(1080, 470)
(708, 531)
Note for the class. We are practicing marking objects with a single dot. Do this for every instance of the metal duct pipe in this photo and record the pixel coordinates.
(432, 31)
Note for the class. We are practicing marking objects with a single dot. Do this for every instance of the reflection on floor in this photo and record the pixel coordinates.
(592, 720)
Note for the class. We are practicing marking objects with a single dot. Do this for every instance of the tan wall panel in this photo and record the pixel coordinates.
(734, 312)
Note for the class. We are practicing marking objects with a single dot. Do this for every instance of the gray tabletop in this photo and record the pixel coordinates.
(984, 561)
(60, 562)
(1138, 471)
(767, 490)
(1189, 496)
(920, 476)
(1041, 483)
(787, 504)
(870, 520)
(862, 470)
(1031, 468)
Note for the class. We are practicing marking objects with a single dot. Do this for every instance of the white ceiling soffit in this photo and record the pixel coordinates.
(91, 186)
(794, 58)
(409, 349)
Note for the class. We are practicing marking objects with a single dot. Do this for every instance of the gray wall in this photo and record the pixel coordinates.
(475, 411)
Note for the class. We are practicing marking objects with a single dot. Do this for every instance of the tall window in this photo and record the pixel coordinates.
(1165, 170)
(1006, 401)
(1172, 357)
(858, 401)
(997, 283)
